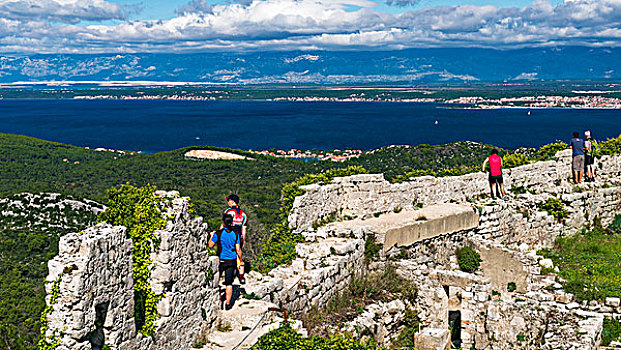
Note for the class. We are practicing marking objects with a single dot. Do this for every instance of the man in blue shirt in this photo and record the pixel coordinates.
(229, 251)
(577, 151)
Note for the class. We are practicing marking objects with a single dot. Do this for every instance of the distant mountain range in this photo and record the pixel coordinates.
(323, 67)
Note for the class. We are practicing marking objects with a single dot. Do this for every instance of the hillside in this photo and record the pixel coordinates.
(31, 226)
(410, 66)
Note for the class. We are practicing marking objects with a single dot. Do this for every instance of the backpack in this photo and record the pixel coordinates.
(238, 218)
(219, 242)
(596, 152)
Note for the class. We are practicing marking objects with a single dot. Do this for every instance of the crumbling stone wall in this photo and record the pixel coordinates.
(365, 195)
(95, 305)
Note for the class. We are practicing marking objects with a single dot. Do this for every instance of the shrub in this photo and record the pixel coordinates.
(615, 226)
(611, 331)
(511, 286)
(610, 146)
(512, 160)
(468, 259)
(286, 338)
(547, 152)
(371, 249)
(554, 207)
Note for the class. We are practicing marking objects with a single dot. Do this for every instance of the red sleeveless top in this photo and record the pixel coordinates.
(495, 164)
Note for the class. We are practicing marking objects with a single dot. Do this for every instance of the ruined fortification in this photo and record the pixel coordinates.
(94, 304)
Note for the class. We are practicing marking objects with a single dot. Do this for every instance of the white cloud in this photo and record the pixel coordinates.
(309, 24)
(69, 11)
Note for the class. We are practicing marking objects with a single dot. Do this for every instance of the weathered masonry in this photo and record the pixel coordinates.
(419, 223)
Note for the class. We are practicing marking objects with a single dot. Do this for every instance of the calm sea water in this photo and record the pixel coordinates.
(153, 126)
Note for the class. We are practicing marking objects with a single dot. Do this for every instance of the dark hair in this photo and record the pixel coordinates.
(576, 134)
(227, 220)
(234, 198)
(494, 151)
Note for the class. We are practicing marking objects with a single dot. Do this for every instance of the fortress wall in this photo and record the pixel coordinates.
(95, 304)
(369, 194)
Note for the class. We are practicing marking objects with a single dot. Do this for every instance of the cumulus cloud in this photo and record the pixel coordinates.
(312, 24)
(69, 11)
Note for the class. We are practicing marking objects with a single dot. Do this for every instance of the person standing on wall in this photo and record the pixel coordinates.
(229, 252)
(495, 173)
(577, 152)
(591, 150)
(239, 226)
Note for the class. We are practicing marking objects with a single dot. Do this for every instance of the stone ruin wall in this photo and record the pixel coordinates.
(368, 194)
(95, 304)
(507, 235)
(100, 285)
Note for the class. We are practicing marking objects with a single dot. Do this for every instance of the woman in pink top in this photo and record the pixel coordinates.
(495, 173)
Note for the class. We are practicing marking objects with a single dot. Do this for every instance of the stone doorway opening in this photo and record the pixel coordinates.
(97, 338)
(455, 327)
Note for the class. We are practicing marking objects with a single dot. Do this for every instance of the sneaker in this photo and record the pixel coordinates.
(227, 307)
(506, 198)
(242, 279)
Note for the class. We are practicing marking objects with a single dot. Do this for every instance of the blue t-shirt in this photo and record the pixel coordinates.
(577, 147)
(228, 239)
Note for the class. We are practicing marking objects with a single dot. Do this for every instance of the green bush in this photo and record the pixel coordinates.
(610, 146)
(547, 152)
(611, 331)
(512, 160)
(554, 207)
(468, 259)
(371, 249)
(286, 338)
(511, 286)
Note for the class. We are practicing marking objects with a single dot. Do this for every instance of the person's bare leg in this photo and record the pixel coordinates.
(502, 189)
(579, 176)
(576, 176)
(493, 189)
(229, 294)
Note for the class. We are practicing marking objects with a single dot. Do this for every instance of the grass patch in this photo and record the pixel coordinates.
(347, 305)
(611, 331)
(589, 262)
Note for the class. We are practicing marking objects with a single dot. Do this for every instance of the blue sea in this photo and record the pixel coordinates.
(161, 125)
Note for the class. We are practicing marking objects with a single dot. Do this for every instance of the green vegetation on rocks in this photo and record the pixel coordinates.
(468, 259)
(554, 207)
(287, 338)
(138, 210)
(279, 248)
(588, 262)
(362, 291)
(611, 331)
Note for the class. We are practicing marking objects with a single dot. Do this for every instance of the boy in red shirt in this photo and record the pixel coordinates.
(239, 226)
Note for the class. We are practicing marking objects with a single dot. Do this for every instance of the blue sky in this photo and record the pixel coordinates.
(120, 26)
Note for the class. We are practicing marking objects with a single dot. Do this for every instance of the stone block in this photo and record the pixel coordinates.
(432, 339)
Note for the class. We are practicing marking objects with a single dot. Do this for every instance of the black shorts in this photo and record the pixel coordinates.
(588, 159)
(229, 268)
(495, 179)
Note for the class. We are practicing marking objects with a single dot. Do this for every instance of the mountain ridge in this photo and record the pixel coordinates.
(409, 66)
